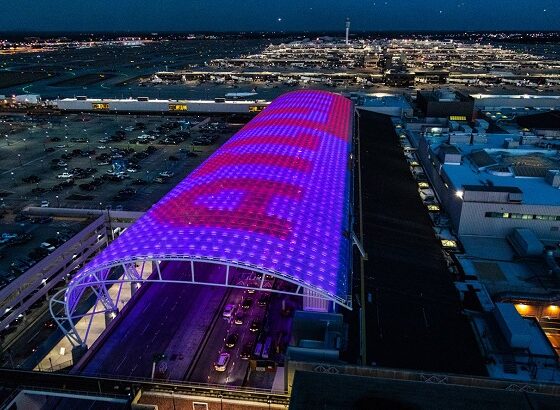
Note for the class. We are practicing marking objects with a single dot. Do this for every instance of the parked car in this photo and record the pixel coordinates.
(166, 174)
(31, 179)
(65, 175)
(139, 181)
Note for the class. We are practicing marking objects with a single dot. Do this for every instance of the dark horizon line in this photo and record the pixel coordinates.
(291, 32)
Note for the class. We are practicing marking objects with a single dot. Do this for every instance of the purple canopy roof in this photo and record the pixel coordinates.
(275, 198)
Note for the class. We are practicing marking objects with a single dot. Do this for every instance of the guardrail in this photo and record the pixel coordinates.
(103, 386)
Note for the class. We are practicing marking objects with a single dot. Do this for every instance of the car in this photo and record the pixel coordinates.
(255, 326)
(48, 246)
(101, 147)
(131, 170)
(43, 220)
(21, 217)
(229, 310)
(246, 351)
(38, 190)
(166, 174)
(220, 365)
(7, 237)
(102, 163)
(247, 303)
(49, 324)
(65, 175)
(20, 239)
(88, 187)
(239, 318)
(159, 180)
(264, 300)
(139, 181)
(61, 146)
(55, 139)
(231, 340)
(49, 149)
(37, 254)
(44, 204)
(31, 179)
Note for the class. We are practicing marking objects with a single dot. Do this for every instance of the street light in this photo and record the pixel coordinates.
(19, 159)
(57, 203)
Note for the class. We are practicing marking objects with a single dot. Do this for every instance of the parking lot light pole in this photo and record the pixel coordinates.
(57, 201)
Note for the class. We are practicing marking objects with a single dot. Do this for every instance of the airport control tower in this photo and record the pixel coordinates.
(347, 29)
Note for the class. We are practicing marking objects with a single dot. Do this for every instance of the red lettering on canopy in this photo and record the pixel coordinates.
(331, 126)
(250, 214)
(307, 141)
(229, 159)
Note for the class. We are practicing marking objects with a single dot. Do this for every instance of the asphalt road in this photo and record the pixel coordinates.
(165, 312)
(413, 314)
(236, 370)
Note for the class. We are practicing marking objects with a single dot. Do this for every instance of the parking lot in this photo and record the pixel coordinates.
(86, 160)
(93, 162)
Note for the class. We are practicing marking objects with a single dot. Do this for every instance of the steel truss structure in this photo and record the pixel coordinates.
(274, 200)
(134, 273)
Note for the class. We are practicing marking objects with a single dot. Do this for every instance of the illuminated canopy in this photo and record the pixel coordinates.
(275, 198)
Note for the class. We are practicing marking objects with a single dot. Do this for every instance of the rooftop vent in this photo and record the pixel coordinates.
(553, 178)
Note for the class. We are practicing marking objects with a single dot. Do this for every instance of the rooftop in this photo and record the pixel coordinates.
(489, 166)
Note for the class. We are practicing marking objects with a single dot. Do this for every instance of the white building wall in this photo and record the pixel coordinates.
(474, 222)
(158, 106)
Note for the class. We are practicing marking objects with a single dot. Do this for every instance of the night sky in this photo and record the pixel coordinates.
(276, 15)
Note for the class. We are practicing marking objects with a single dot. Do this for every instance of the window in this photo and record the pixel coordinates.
(509, 215)
(178, 107)
(100, 106)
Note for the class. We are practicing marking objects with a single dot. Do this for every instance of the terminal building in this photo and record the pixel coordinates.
(497, 180)
(148, 105)
(492, 183)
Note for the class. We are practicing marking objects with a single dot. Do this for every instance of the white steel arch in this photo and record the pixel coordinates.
(70, 314)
